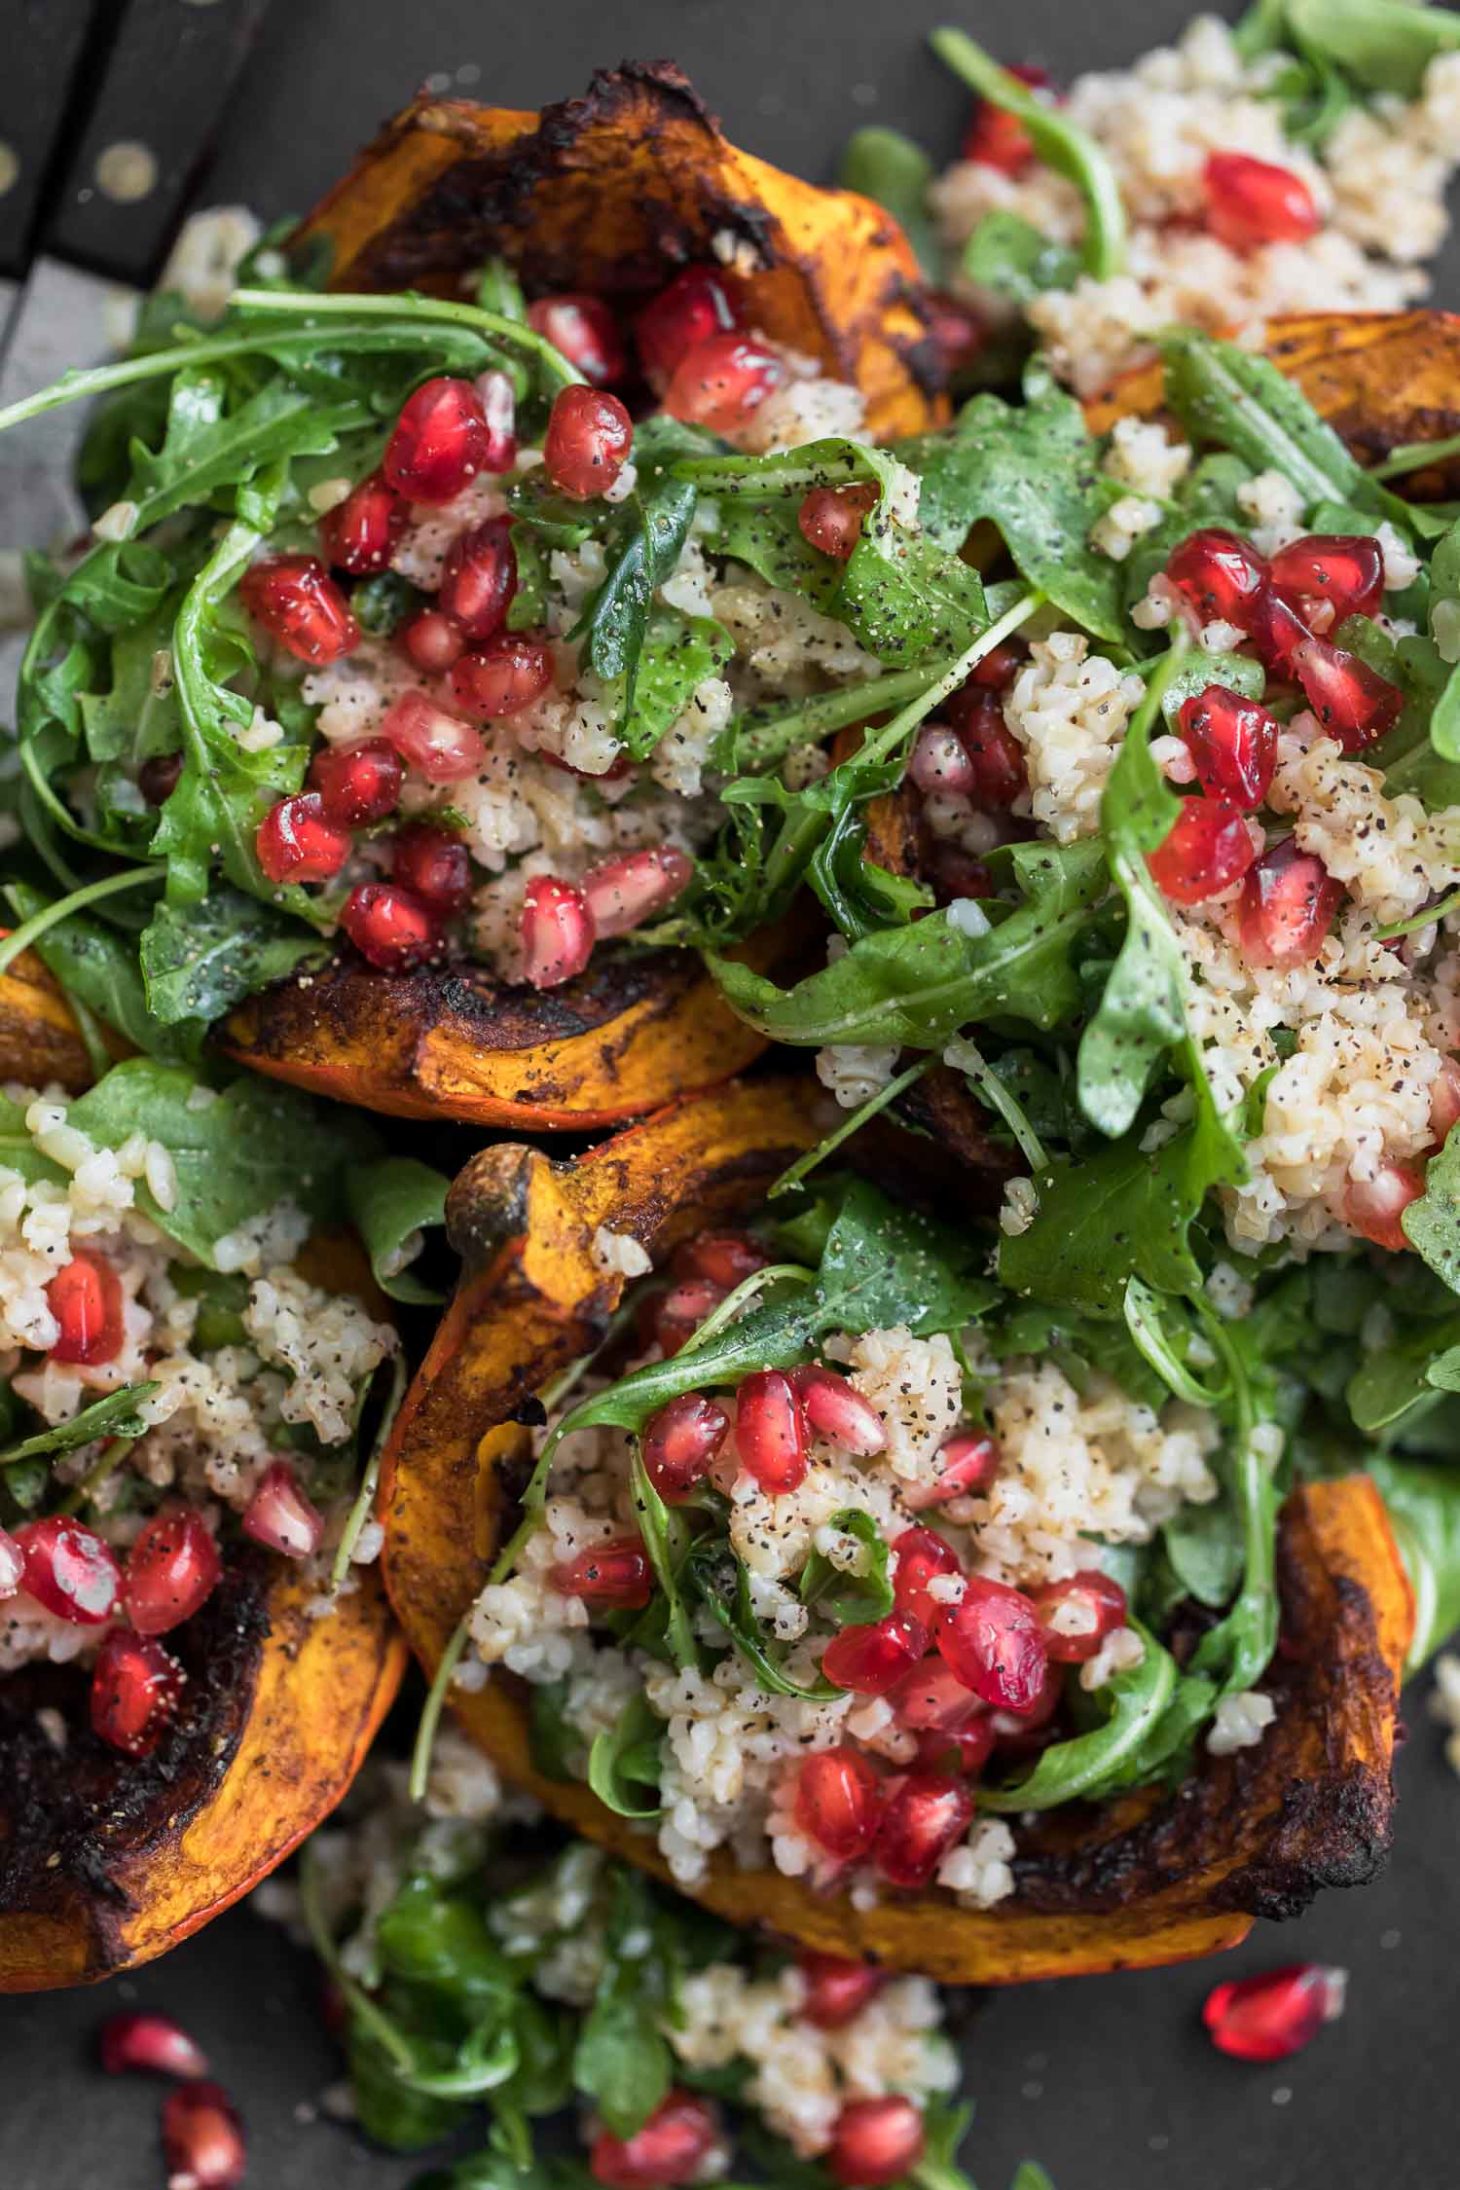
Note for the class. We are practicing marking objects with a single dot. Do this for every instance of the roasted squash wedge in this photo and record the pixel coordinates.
(1151, 1878)
(106, 1861)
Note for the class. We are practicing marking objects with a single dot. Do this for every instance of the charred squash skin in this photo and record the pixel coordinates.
(40, 1042)
(1152, 1878)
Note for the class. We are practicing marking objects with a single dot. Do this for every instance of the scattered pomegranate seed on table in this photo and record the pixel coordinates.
(390, 926)
(298, 603)
(439, 443)
(202, 2139)
(135, 1689)
(280, 1516)
(85, 1297)
(297, 842)
(557, 932)
(172, 1569)
(140, 2042)
(587, 444)
(1273, 2015)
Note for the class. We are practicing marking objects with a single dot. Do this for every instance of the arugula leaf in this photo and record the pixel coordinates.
(1396, 1384)
(198, 960)
(623, 1761)
(665, 1535)
(1424, 1508)
(1384, 45)
(392, 1202)
(1090, 1765)
(678, 653)
(723, 1588)
(1009, 255)
(615, 623)
(850, 1596)
(895, 173)
(114, 1416)
(97, 967)
(1432, 1224)
(1204, 1546)
(622, 2060)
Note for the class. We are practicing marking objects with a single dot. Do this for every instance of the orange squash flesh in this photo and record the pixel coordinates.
(1147, 1879)
(40, 1042)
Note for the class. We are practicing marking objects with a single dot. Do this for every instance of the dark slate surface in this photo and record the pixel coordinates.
(1109, 2081)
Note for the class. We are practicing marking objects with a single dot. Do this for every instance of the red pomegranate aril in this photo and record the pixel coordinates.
(830, 519)
(939, 762)
(727, 1259)
(501, 678)
(584, 329)
(1276, 631)
(838, 1802)
(439, 443)
(1220, 575)
(1233, 744)
(1445, 1100)
(390, 927)
(280, 1516)
(172, 1569)
(135, 1687)
(876, 2141)
(297, 842)
(1275, 2014)
(1013, 1729)
(68, 1570)
(1287, 906)
(770, 1432)
(998, 669)
(955, 332)
(671, 2148)
(720, 383)
(994, 1642)
(438, 746)
(623, 893)
(1251, 202)
(872, 1659)
(610, 1574)
(836, 1991)
(202, 2139)
(357, 783)
(994, 753)
(499, 408)
(479, 578)
(1077, 1614)
(680, 1441)
(1344, 569)
(923, 1818)
(997, 138)
(433, 641)
(933, 1699)
(587, 444)
(1373, 1207)
(433, 866)
(298, 603)
(157, 778)
(1206, 850)
(678, 1314)
(359, 534)
(85, 1297)
(963, 1750)
(557, 932)
(968, 1463)
(836, 1409)
(695, 306)
(922, 1555)
(12, 1564)
(150, 2045)
(1352, 701)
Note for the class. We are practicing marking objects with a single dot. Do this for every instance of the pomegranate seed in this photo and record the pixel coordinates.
(389, 926)
(557, 932)
(872, 1659)
(934, 1699)
(502, 677)
(1276, 631)
(671, 2148)
(926, 1814)
(434, 867)
(1220, 575)
(962, 1749)
(994, 753)
(831, 518)
(499, 408)
(432, 640)
(835, 1408)
(623, 893)
(202, 2139)
(680, 1441)
(68, 1570)
(921, 1555)
(996, 138)
(1344, 569)
(12, 1564)
(479, 578)
(357, 783)
(998, 669)
(157, 778)
(438, 746)
(770, 1432)
(1351, 700)
(152, 2044)
(134, 1692)
(584, 329)
(966, 1464)
(838, 1799)
(1287, 907)
(1444, 1105)
(85, 1297)
(172, 1569)
(1207, 849)
(1269, 2017)
(588, 440)
(695, 306)
(954, 331)
(439, 443)
(721, 382)
(1078, 1614)
(279, 1515)
(1373, 1207)
(359, 534)
(876, 2141)
(1233, 744)
(298, 603)
(995, 1644)
(679, 1313)
(939, 761)
(297, 842)
(1251, 202)
(836, 1991)
(616, 1573)
(727, 1259)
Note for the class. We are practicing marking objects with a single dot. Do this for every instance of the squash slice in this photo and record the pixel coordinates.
(1150, 1878)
